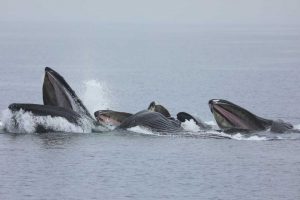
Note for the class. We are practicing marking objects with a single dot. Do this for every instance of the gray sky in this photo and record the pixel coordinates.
(153, 11)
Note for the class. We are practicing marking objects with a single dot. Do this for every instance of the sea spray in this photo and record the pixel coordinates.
(97, 96)
(190, 125)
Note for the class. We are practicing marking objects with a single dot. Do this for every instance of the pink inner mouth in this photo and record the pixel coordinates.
(233, 119)
(107, 120)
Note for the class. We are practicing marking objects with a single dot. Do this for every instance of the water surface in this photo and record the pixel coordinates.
(126, 67)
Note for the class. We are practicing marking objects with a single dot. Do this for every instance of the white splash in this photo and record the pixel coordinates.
(97, 96)
(142, 130)
(239, 136)
(190, 125)
(211, 123)
(1, 126)
(297, 127)
(26, 122)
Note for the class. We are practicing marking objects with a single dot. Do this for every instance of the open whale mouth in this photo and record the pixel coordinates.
(57, 92)
(106, 120)
(229, 115)
(110, 117)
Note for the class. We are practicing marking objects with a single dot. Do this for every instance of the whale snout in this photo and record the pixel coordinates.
(211, 103)
(96, 114)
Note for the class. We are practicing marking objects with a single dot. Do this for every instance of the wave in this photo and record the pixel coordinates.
(26, 122)
(240, 136)
(192, 130)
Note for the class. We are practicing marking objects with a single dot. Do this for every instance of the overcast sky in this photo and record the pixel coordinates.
(153, 11)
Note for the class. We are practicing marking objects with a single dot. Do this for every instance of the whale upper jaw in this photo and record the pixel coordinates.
(57, 92)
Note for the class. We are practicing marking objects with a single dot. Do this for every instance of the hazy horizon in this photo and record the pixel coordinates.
(155, 12)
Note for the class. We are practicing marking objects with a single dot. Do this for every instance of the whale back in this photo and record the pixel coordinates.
(152, 120)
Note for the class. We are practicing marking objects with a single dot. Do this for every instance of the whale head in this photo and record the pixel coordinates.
(57, 92)
(111, 117)
(230, 116)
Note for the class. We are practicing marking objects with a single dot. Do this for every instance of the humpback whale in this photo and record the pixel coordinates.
(60, 100)
(232, 118)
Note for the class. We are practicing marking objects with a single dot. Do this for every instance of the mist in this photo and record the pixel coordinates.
(155, 11)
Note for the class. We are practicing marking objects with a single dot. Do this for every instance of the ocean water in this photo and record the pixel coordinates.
(125, 67)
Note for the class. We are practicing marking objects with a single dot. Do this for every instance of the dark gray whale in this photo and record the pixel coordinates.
(60, 100)
(232, 118)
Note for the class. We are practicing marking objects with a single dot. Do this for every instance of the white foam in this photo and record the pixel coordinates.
(142, 130)
(211, 123)
(239, 136)
(1, 126)
(297, 126)
(97, 96)
(26, 122)
(190, 125)
(108, 126)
